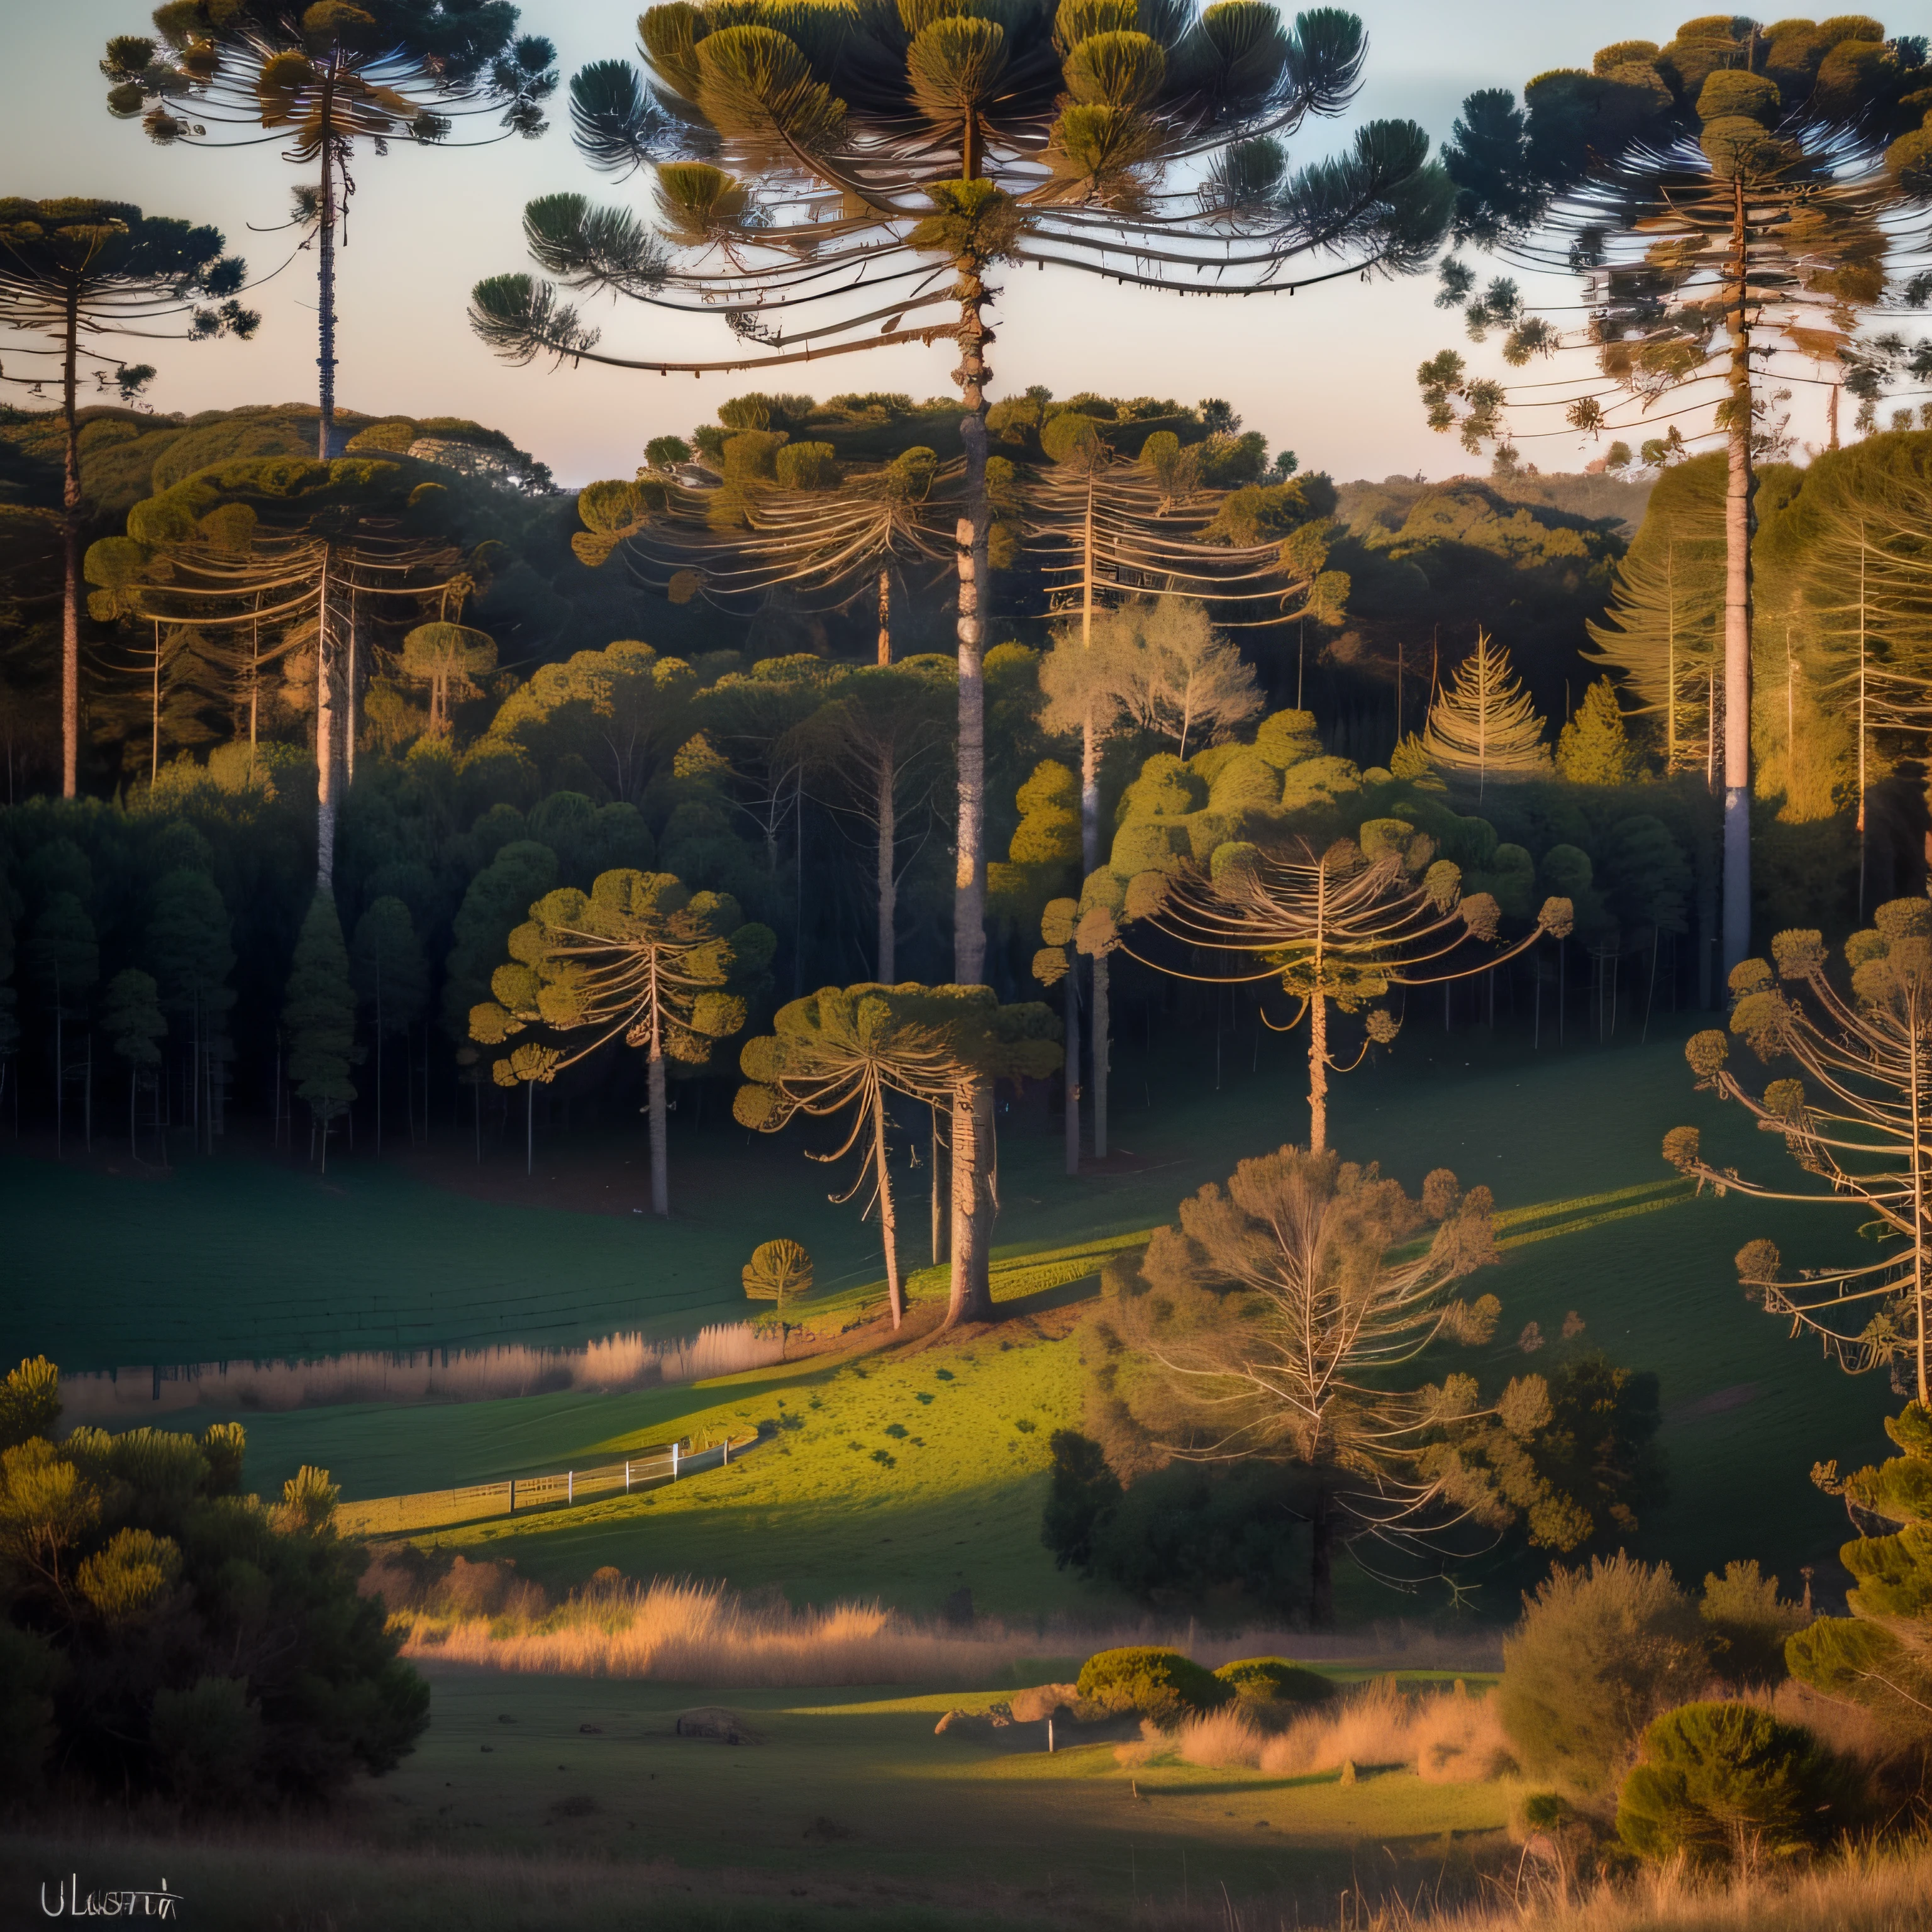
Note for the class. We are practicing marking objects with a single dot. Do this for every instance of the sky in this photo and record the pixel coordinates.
(1329, 373)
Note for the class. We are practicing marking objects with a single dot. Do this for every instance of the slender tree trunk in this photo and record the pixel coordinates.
(60, 1075)
(325, 741)
(155, 712)
(888, 1218)
(885, 615)
(1070, 999)
(134, 1145)
(529, 1128)
(971, 536)
(87, 1093)
(378, 1057)
(325, 1144)
(70, 550)
(1738, 524)
(972, 1294)
(660, 1157)
(1103, 1046)
(888, 869)
(326, 269)
(1318, 1075)
(938, 1220)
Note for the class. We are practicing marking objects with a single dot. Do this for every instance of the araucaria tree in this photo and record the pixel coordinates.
(1485, 723)
(1284, 1319)
(848, 165)
(324, 78)
(638, 956)
(1340, 927)
(308, 555)
(1741, 193)
(1855, 1113)
(845, 1053)
(74, 275)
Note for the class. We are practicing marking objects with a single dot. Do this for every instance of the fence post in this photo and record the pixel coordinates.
(570, 1486)
(728, 1445)
(627, 1475)
(674, 1462)
(513, 1496)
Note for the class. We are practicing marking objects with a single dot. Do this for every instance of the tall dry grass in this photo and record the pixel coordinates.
(1449, 1736)
(607, 1367)
(692, 1633)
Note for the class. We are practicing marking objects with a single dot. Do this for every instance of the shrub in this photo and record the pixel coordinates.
(1273, 1680)
(1599, 1653)
(1749, 1622)
(1158, 1683)
(1730, 1783)
(1082, 1492)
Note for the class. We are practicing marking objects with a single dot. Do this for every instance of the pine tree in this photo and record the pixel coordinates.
(1881, 1655)
(1486, 722)
(188, 945)
(318, 1017)
(1593, 747)
(63, 954)
(133, 1019)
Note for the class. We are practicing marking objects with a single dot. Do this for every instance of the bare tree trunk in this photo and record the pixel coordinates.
(885, 615)
(888, 869)
(660, 1157)
(938, 1220)
(972, 1294)
(70, 551)
(888, 1218)
(1103, 1047)
(971, 536)
(1070, 997)
(325, 360)
(325, 741)
(1738, 524)
(1318, 1075)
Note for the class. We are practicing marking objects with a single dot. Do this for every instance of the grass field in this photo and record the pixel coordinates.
(857, 1781)
(1592, 1222)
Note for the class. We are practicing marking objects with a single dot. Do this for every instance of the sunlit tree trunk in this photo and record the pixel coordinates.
(1738, 521)
(888, 870)
(885, 616)
(888, 1218)
(325, 272)
(659, 1113)
(324, 739)
(70, 550)
(973, 1206)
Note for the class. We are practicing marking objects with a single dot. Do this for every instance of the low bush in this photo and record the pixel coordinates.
(1273, 1680)
(1158, 1683)
(1749, 1622)
(1730, 1783)
(1599, 1653)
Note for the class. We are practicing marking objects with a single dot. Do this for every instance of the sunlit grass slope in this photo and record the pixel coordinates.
(1591, 1222)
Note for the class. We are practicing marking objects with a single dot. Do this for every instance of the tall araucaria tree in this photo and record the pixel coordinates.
(1853, 1114)
(1740, 194)
(850, 164)
(74, 275)
(325, 77)
(641, 956)
(311, 552)
(851, 1049)
(1340, 928)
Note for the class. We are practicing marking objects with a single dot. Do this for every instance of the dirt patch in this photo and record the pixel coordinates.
(715, 1725)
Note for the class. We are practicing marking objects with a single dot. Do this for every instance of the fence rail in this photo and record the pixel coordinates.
(444, 1509)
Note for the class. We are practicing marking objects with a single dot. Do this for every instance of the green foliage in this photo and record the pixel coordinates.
(1593, 747)
(1598, 1654)
(1273, 1680)
(1729, 1783)
(1158, 1683)
(1082, 1490)
(132, 1018)
(1750, 1623)
(29, 1402)
(779, 1272)
(1881, 1655)
(318, 1016)
(200, 1646)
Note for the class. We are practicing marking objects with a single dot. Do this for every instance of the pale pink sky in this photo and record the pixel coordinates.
(1330, 373)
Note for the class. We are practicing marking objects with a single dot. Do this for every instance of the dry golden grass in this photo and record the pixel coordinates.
(692, 1633)
(1449, 1736)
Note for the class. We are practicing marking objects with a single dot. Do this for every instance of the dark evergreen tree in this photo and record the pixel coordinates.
(318, 1020)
